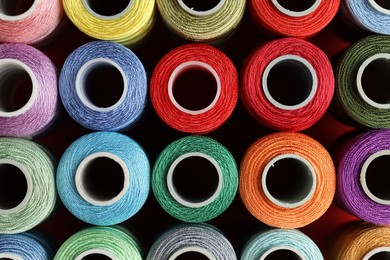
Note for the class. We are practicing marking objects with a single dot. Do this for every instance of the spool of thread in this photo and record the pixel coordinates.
(194, 88)
(126, 22)
(199, 241)
(195, 179)
(26, 246)
(30, 22)
(287, 180)
(96, 69)
(361, 82)
(361, 241)
(103, 178)
(367, 15)
(287, 84)
(113, 243)
(300, 19)
(28, 93)
(27, 192)
(361, 177)
(281, 244)
(202, 21)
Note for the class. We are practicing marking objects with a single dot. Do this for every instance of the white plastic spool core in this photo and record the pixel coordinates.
(98, 8)
(283, 7)
(191, 65)
(84, 179)
(89, 254)
(377, 189)
(379, 253)
(382, 6)
(12, 173)
(273, 253)
(11, 256)
(13, 73)
(383, 60)
(10, 12)
(184, 201)
(191, 7)
(89, 69)
(303, 69)
(292, 182)
(190, 249)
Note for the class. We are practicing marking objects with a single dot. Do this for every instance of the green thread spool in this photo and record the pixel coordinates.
(362, 80)
(27, 186)
(114, 243)
(195, 179)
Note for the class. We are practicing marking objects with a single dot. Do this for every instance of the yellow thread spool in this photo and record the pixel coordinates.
(125, 21)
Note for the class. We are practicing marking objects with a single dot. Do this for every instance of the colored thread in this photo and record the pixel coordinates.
(27, 246)
(30, 26)
(109, 242)
(288, 19)
(368, 15)
(165, 82)
(91, 166)
(28, 194)
(281, 244)
(362, 241)
(361, 82)
(126, 22)
(361, 178)
(98, 68)
(185, 239)
(287, 84)
(29, 96)
(202, 22)
(287, 180)
(192, 199)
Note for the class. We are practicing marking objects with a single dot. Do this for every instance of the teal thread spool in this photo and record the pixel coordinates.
(195, 179)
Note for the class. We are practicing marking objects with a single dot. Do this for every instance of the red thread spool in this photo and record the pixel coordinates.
(194, 88)
(287, 84)
(300, 19)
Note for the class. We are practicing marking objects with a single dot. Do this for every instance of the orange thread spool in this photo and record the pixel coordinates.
(287, 180)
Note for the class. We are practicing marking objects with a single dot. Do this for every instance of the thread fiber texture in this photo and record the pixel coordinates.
(126, 28)
(350, 191)
(347, 97)
(114, 240)
(29, 246)
(267, 17)
(40, 168)
(127, 111)
(202, 28)
(255, 160)
(189, 236)
(206, 121)
(131, 154)
(44, 109)
(206, 146)
(262, 242)
(33, 26)
(258, 104)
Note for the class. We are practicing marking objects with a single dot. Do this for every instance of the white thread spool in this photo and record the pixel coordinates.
(121, 10)
(295, 13)
(189, 249)
(194, 10)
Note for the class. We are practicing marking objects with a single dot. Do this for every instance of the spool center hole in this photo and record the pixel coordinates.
(380, 256)
(195, 179)
(15, 7)
(194, 89)
(376, 81)
(289, 180)
(290, 82)
(103, 85)
(13, 186)
(383, 3)
(378, 177)
(201, 5)
(108, 8)
(283, 254)
(96, 256)
(296, 6)
(103, 179)
(191, 255)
